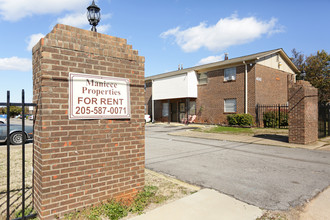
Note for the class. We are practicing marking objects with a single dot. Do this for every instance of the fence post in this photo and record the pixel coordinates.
(279, 116)
(8, 155)
(257, 116)
(23, 154)
(328, 114)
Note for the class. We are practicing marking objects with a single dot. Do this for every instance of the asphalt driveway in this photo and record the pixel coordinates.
(269, 177)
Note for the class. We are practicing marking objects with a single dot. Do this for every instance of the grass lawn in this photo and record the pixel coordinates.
(229, 130)
(244, 131)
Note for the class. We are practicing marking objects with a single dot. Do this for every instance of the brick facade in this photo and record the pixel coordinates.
(78, 163)
(271, 86)
(303, 113)
(211, 96)
(263, 82)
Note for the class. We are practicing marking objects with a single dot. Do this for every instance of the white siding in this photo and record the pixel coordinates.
(192, 84)
(273, 62)
(179, 86)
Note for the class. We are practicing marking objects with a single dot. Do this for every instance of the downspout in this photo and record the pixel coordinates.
(152, 102)
(246, 89)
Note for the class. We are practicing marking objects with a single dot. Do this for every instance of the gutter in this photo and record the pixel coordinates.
(152, 102)
(246, 89)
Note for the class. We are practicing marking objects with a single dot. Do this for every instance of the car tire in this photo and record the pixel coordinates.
(16, 138)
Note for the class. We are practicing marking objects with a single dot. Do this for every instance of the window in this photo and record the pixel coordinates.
(192, 108)
(202, 78)
(165, 109)
(230, 74)
(230, 105)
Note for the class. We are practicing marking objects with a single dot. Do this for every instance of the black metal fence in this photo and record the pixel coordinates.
(23, 105)
(272, 116)
(324, 120)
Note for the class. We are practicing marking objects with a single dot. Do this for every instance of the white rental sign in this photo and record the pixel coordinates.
(98, 97)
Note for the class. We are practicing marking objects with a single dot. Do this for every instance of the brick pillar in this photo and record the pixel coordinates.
(78, 163)
(303, 113)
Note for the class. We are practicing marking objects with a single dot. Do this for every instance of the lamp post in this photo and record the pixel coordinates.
(93, 15)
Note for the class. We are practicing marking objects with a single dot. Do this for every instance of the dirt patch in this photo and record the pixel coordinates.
(292, 214)
(169, 188)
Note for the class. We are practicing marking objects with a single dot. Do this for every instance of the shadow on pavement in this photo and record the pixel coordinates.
(274, 137)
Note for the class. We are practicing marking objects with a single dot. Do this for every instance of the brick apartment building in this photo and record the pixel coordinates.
(212, 91)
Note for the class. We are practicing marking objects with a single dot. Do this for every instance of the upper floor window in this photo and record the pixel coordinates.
(230, 74)
(202, 78)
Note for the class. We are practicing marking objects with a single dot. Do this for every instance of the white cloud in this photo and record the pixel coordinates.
(74, 19)
(210, 59)
(80, 20)
(14, 10)
(103, 28)
(227, 32)
(33, 40)
(16, 63)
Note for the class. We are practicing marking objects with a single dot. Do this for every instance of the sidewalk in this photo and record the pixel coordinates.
(206, 204)
(318, 208)
(267, 139)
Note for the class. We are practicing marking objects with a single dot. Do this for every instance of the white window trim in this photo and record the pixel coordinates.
(225, 108)
(205, 77)
(232, 75)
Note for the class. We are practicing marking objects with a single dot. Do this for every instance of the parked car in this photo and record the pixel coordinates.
(15, 134)
(30, 117)
(147, 118)
(3, 120)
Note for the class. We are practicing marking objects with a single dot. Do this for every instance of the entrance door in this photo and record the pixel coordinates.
(174, 112)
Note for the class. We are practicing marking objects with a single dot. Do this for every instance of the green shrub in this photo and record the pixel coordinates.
(271, 119)
(240, 119)
(246, 120)
(233, 119)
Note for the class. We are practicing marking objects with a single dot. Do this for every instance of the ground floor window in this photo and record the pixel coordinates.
(230, 105)
(192, 108)
(165, 109)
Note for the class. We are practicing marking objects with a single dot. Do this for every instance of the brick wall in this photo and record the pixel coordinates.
(211, 96)
(78, 163)
(303, 113)
(271, 86)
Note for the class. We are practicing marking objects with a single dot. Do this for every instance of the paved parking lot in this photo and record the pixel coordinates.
(269, 177)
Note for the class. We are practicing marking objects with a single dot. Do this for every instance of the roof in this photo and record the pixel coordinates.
(211, 66)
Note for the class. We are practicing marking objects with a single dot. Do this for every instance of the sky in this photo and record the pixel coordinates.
(167, 33)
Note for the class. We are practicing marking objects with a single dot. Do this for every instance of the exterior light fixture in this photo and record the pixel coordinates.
(93, 15)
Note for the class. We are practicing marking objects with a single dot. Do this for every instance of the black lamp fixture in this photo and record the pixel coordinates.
(93, 15)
